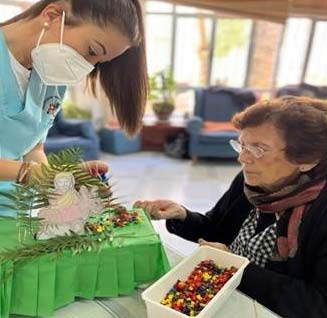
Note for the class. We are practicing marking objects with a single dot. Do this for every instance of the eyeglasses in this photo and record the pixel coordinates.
(255, 151)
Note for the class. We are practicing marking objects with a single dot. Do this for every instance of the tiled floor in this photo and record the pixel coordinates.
(150, 175)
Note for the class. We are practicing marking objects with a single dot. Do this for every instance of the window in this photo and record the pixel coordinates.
(230, 59)
(8, 11)
(192, 51)
(316, 73)
(158, 7)
(191, 10)
(159, 42)
(293, 51)
(183, 40)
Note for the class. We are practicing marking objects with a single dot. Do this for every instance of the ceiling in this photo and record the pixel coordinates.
(271, 10)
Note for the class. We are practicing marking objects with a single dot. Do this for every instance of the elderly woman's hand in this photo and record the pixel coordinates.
(162, 209)
(217, 245)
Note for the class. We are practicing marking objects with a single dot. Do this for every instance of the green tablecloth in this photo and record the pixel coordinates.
(39, 287)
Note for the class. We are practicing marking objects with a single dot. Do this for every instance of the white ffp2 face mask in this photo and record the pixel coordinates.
(59, 64)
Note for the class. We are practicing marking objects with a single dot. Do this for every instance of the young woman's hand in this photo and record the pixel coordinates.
(30, 171)
(95, 167)
(98, 168)
(162, 209)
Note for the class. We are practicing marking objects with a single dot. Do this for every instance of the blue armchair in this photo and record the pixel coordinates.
(303, 89)
(69, 133)
(215, 104)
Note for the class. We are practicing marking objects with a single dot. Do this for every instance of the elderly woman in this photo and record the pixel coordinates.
(275, 211)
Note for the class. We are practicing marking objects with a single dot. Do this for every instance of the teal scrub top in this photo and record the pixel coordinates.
(23, 125)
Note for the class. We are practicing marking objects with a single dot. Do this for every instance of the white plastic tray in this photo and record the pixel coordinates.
(156, 292)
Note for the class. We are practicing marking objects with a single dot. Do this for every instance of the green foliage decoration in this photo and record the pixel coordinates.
(36, 194)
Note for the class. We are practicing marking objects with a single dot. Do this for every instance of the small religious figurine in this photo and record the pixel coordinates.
(68, 208)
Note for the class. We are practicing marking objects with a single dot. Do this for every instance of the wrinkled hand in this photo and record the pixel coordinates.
(162, 209)
(95, 167)
(217, 245)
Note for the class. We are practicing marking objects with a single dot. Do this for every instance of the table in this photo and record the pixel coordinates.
(39, 286)
(154, 134)
(134, 307)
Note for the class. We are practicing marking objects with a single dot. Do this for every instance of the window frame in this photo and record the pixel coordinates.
(214, 20)
(308, 51)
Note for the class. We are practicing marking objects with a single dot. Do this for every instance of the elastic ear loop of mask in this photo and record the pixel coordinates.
(40, 38)
(62, 28)
(56, 90)
(61, 31)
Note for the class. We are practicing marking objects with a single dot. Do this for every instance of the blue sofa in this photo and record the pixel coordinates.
(303, 89)
(215, 104)
(73, 133)
(116, 142)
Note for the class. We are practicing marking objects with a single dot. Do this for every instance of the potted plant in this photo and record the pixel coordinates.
(71, 110)
(162, 89)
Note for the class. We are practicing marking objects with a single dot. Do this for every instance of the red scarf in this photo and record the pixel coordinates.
(291, 209)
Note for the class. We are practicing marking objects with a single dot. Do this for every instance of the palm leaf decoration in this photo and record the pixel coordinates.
(36, 194)
(77, 244)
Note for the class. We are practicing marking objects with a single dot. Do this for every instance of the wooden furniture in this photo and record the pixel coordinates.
(154, 134)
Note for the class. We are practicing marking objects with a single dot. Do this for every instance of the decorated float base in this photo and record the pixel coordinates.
(40, 286)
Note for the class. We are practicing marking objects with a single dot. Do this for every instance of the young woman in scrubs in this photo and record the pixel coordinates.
(55, 44)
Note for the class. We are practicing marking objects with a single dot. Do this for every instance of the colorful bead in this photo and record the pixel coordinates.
(104, 223)
(205, 281)
(124, 218)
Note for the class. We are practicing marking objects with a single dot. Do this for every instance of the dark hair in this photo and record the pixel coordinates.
(124, 79)
(302, 122)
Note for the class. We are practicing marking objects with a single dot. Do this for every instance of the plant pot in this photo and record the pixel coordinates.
(163, 110)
